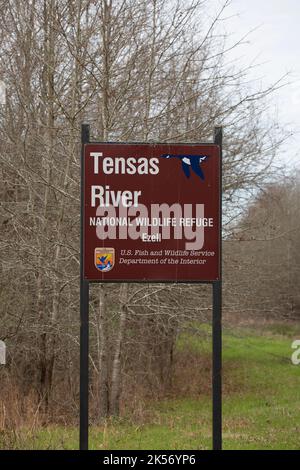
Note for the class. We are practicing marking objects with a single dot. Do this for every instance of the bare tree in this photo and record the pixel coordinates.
(264, 251)
(137, 70)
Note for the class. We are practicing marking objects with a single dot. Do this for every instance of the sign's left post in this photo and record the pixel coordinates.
(84, 312)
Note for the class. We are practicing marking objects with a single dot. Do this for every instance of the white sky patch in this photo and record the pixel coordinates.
(274, 44)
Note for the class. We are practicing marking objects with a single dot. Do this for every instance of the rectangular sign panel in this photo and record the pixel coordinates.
(151, 212)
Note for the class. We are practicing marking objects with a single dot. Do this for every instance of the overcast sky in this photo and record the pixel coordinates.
(276, 44)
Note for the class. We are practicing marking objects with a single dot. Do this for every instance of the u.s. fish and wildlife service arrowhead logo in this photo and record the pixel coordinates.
(104, 259)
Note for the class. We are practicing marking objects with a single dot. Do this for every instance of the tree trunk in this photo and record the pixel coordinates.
(103, 354)
(116, 379)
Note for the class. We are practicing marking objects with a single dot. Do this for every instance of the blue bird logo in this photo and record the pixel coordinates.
(190, 163)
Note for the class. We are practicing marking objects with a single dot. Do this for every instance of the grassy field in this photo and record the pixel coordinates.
(261, 407)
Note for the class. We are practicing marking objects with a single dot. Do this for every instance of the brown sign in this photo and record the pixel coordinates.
(151, 212)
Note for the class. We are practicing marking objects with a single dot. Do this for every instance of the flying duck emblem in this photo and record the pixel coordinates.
(190, 163)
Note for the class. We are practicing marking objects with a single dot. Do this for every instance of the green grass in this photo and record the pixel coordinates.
(261, 402)
(265, 413)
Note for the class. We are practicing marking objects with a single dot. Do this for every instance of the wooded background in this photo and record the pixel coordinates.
(136, 70)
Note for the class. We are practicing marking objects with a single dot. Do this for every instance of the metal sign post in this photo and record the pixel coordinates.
(150, 213)
(84, 313)
(217, 325)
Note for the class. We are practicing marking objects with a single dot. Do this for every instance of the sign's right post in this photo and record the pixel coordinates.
(217, 324)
